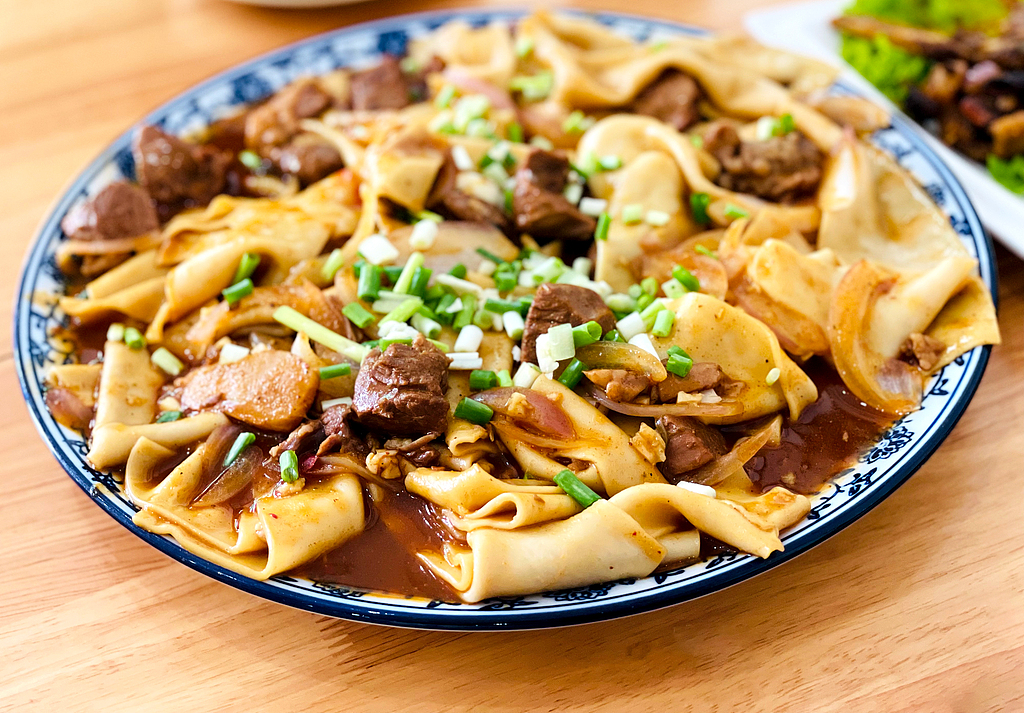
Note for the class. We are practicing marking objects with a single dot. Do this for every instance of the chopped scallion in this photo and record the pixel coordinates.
(243, 441)
(686, 278)
(167, 361)
(133, 338)
(404, 311)
(115, 332)
(699, 203)
(444, 97)
(632, 213)
(679, 364)
(289, 467)
(576, 488)
(458, 271)
(168, 416)
(333, 371)
(514, 132)
(482, 379)
(706, 252)
(663, 323)
(572, 374)
(420, 279)
(357, 314)
(250, 159)
(474, 411)
(368, 288)
(237, 291)
(585, 334)
(465, 316)
(613, 336)
(319, 333)
(426, 326)
(246, 266)
(649, 285)
(734, 212)
(333, 263)
(504, 378)
(404, 280)
(484, 252)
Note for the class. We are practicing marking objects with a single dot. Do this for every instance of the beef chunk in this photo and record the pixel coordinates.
(619, 384)
(1008, 135)
(337, 425)
(689, 444)
(671, 98)
(384, 87)
(306, 437)
(276, 121)
(561, 304)
(538, 204)
(783, 168)
(309, 158)
(121, 210)
(703, 375)
(402, 390)
(922, 350)
(452, 203)
(176, 172)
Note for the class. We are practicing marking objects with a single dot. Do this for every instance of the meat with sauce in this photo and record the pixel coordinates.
(923, 351)
(386, 86)
(539, 207)
(341, 435)
(401, 390)
(455, 204)
(121, 210)
(619, 384)
(309, 158)
(689, 444)
(703, 375)
(271, 390)
(276, 121)
(175, 172)
(562, 304)
(671, 98)
(782, 168)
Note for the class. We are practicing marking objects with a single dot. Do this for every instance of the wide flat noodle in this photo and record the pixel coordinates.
(129, 385)
(282, 533)
(112, 443)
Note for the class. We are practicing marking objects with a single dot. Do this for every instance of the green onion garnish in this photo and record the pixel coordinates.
(289, 467)
(247, 265)
(673, 288)
(679, 362)
(576, 123)
(333, 263)
(474, 411)
(465, 316)
(428, 215)
(504, 378)
(427, 326)
(237, 291)
(650, 312)
(697, 141)
(635, 290)
(392, 272)
(167, 361)
(334, 370)
(649, 285)
(572, 374)
(357, 314)
(444, 97)
(663, 323)
(707, 253)
(514, 132)
(604, 222)
(369, 283)
(388, 341)
(250, 159)
(734, 212)
(576, 489)
(686, 278)
(458, 271)
(482, 379)
(699, 203)
(524, 46)
(785, 125)
(614, 336)
(404, 311)
(533, 88)
(404, 281)
(168, 416)
(133, 338)
(632, 213)
(243, 441)
(644, 301)
(609, 163)
(489, 255)
(319, 333)
(586, 334)
(115, 332)
(503, 306)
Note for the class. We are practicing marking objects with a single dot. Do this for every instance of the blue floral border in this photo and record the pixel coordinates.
(853, 493)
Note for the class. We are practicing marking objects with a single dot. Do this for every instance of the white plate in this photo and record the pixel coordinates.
(805, 28)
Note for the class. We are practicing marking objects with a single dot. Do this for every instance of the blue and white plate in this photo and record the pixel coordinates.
(896, 456)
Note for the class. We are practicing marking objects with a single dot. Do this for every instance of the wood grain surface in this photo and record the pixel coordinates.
(919, 606)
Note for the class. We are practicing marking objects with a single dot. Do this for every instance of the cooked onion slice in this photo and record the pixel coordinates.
(542, 417)
(696, 408)
(233, 479)
(746, 448)
(616, 355)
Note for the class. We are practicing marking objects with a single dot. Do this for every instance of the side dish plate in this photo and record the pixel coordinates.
(893, 459)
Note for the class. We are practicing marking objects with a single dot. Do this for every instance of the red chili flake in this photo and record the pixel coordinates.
(273, 515)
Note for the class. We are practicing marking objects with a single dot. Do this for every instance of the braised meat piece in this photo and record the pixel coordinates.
(401, 391)
(386, 86)
(783, 168)
(271, 389)
(337, 425)
(276, 121)
(703, 375)
(671, 98)
(454, 204)
(562, 304)
(689, 444)
(175, 172)
(309, 158)
(619, 384)
(121, 210)
(538, 204)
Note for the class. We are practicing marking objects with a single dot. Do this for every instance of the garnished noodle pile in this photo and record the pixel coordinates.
(553, 291)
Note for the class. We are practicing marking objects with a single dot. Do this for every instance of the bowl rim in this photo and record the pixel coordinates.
(362, 610)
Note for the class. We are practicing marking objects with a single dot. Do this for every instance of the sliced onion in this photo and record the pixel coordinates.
(696, 408)
(233, 479)
(214, 450)
(138, 243)
(616, 355)
(548, 419)
(466, 83)
(67, 408)
(510, 431)
(746, 448)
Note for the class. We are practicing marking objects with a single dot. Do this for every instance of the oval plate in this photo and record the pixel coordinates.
(896, 456)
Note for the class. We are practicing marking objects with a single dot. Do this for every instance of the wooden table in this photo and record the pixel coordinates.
(919, 606)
